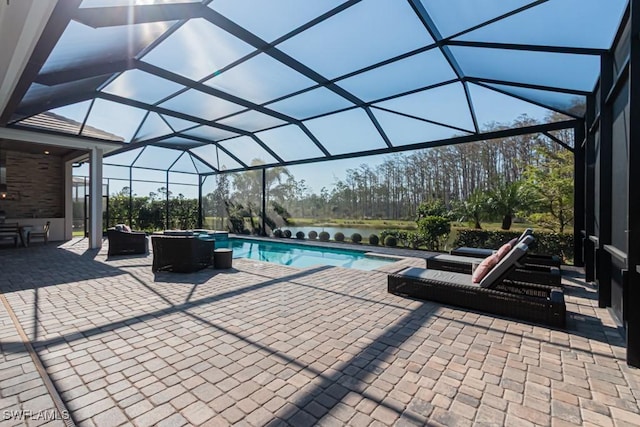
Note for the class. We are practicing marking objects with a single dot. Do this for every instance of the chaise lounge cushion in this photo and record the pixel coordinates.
(438, 275)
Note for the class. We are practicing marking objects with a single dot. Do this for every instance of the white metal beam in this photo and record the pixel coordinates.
(21, 25)
(71, 142)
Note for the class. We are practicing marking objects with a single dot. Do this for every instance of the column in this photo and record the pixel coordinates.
(632, 294)
(68, 200)
(95, 198)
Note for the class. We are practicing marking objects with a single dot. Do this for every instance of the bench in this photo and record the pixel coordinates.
(10, 231)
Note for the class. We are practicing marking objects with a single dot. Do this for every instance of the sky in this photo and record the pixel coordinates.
(348, 41)
(321, 174)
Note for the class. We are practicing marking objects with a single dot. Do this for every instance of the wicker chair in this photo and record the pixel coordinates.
(183, 254)
(127, 243)
(526, 301)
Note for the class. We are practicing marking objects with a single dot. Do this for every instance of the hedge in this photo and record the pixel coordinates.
(545, 242)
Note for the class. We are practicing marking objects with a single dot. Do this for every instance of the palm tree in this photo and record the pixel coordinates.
(506, 199)
(474, 207)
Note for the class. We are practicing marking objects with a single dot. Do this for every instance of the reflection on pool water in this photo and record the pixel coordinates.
(302, 255)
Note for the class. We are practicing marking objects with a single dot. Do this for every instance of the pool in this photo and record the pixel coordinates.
(302, 255)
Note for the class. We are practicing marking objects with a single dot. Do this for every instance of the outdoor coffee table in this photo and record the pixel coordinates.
(222, 258)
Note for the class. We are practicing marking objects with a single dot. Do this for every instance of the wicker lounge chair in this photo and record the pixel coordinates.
(534, 260)
(526, 301)
(127, 242)
(543, 275)
(525, 273)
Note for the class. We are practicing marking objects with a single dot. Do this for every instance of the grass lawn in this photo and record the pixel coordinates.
(354, 223)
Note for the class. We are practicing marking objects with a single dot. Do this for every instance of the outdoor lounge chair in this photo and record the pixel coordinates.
(539, 260)
(526, 301)
(521, 273)
(181, 253)
(127, 242)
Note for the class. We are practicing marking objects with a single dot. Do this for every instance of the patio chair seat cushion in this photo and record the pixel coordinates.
(438, 275)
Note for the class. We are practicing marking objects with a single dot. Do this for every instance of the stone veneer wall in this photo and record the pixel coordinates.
(37, 182)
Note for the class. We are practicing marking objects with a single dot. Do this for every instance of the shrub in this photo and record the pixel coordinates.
(313, 235)
(300, 235)
(339, 237)
(356, 238)
(414, 239)
(324, 236)
(433, 208)
(374, 240)
(434, 230)
(390, 241)
(277, 233)
(400, 235)
(287, 233)
(385, 233)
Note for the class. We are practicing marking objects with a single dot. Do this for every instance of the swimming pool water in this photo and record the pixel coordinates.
(302, 255)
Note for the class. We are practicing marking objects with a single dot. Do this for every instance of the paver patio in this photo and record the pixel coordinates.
(264, 344)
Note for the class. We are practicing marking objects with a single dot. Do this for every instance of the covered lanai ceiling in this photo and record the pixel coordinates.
(289, 81)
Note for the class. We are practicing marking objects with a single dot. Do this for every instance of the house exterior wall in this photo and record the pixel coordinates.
(35, 184)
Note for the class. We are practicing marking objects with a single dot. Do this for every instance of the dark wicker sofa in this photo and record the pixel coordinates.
(127, 242)
(183, 254)
(526, 301)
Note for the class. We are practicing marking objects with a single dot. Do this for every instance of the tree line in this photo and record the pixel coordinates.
(528, 175)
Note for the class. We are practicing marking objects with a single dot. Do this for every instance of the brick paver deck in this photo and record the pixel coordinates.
(264, 344)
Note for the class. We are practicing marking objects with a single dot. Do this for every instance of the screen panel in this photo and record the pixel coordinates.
(619, 181)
